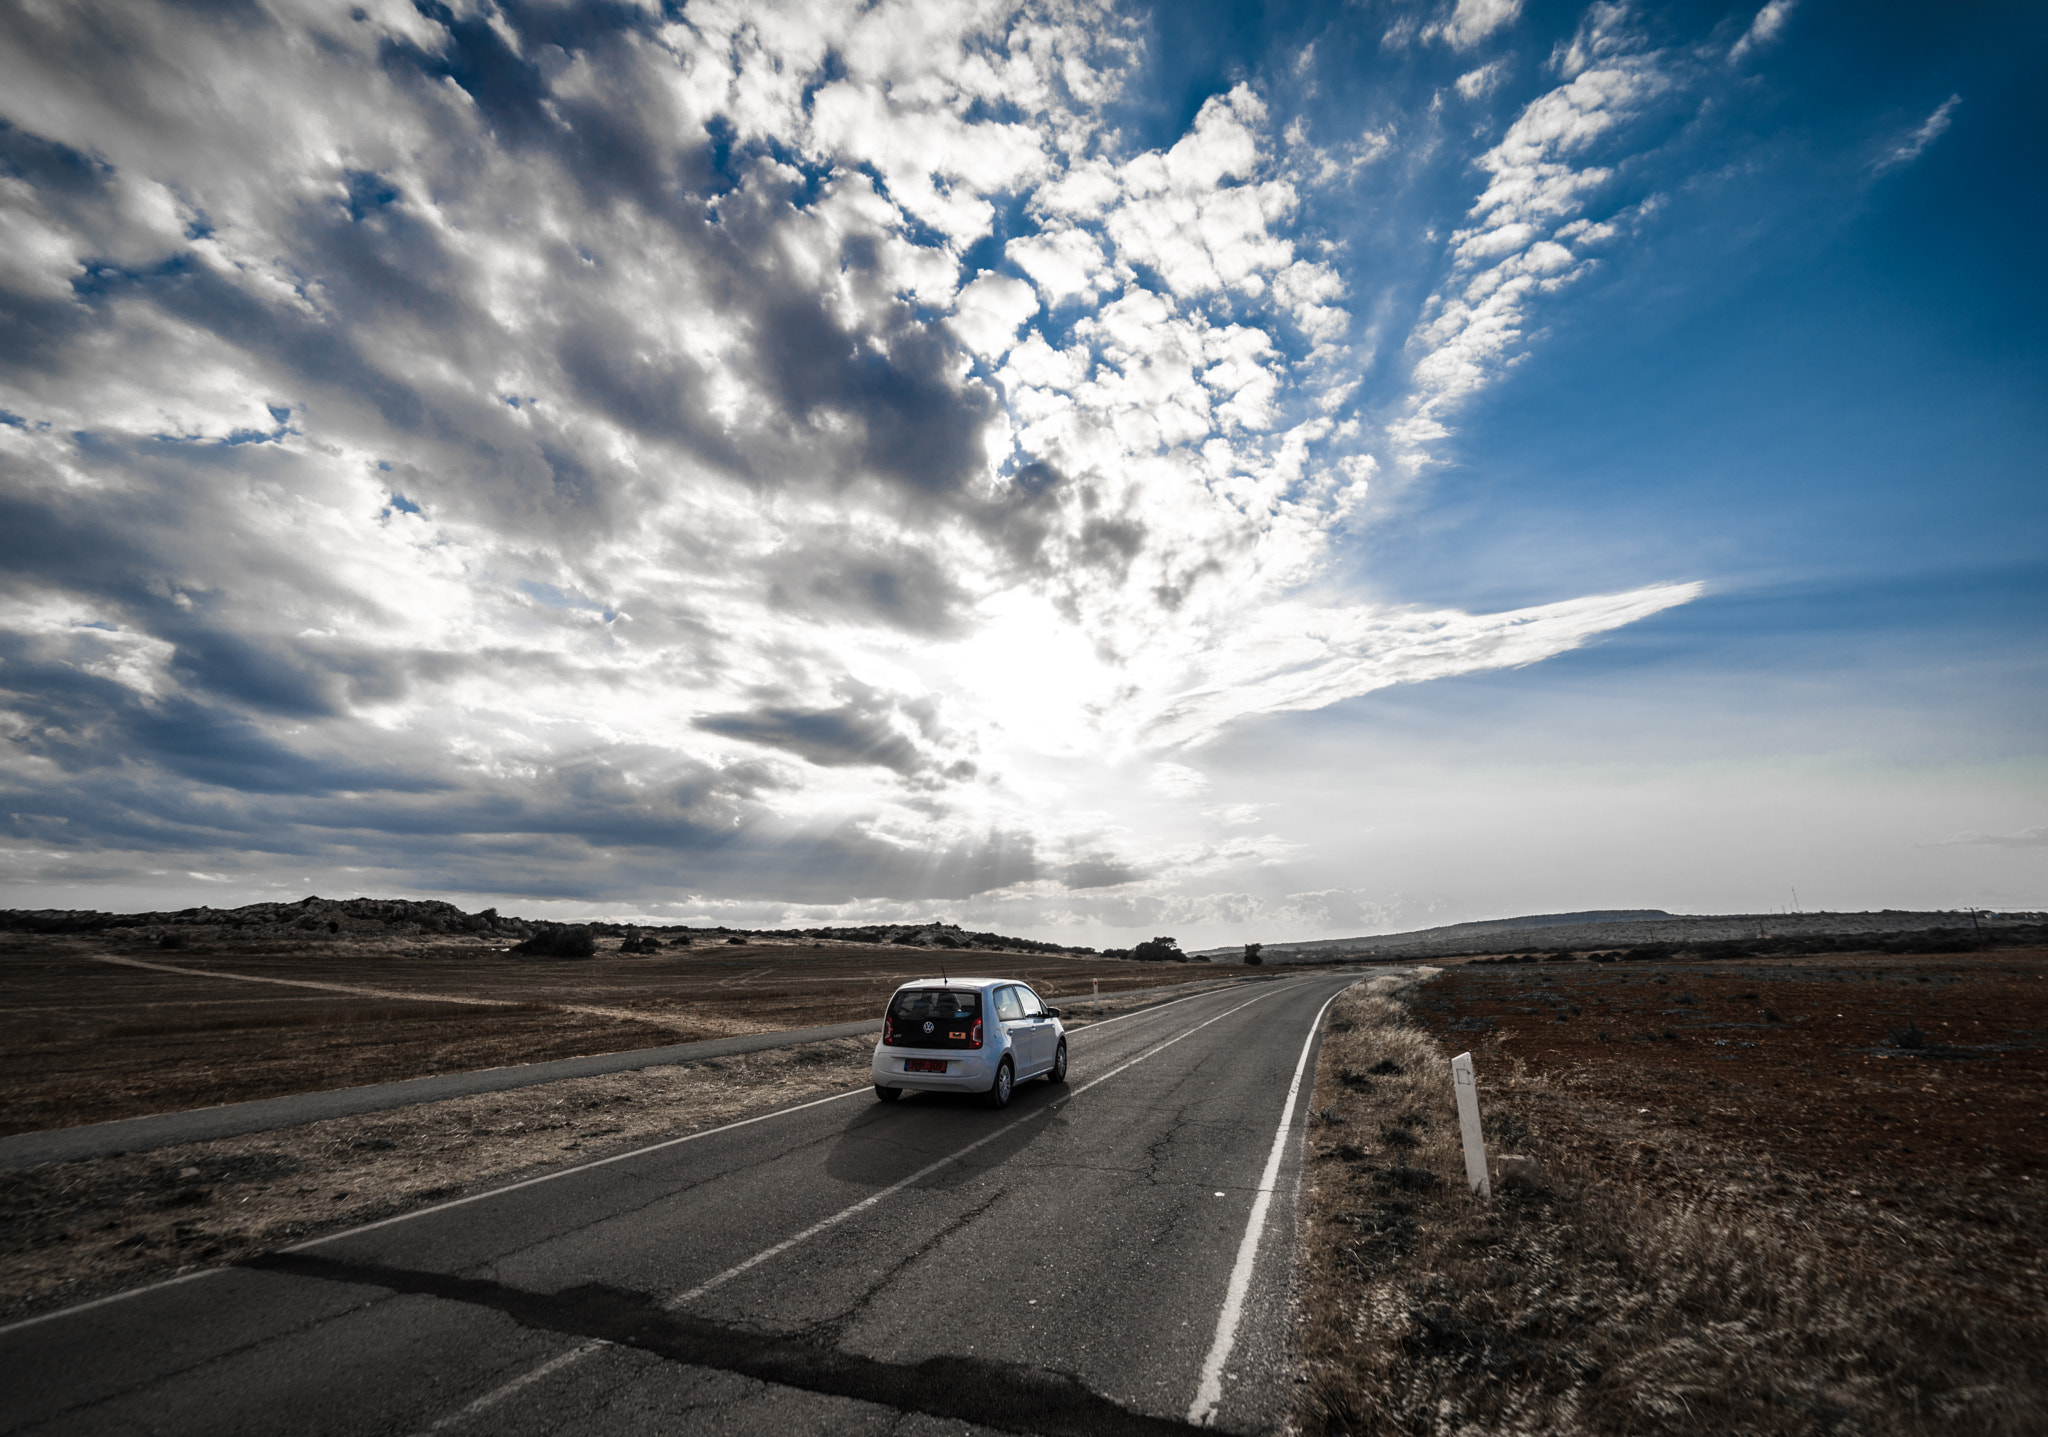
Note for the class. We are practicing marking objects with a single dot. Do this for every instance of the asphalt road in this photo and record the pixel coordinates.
(926, 1266)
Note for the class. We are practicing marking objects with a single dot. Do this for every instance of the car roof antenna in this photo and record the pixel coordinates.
(943, 976)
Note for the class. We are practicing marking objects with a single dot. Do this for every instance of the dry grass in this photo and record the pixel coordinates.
(1592, 1301)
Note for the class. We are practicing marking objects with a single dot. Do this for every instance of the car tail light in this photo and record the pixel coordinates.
(975, 1041)
(889, 1029)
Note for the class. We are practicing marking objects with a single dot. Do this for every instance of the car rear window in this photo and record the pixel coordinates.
(944, 1004)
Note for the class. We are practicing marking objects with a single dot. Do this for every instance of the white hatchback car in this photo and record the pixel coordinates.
(968, 1035)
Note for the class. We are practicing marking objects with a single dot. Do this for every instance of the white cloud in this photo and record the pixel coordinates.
(990, 312)
(587, 482)
(1472, 21)
(1178, 217)
(1063, 262)
(1763, 31)
(1177, 780)
(1914, 145)
(1527, 228)
(1308, 659)
(1478, 84)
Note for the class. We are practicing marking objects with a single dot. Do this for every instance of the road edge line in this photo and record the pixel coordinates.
(1209, 1391)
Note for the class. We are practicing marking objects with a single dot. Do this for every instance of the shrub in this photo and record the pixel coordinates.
(565, 942)
(1251, 953)
(1160, 950)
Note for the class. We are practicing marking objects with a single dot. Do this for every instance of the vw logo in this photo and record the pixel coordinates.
(927, 1027)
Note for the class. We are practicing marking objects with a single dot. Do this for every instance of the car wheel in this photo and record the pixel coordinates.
(888, 1095)
(998, 1095)
(1057, 1073)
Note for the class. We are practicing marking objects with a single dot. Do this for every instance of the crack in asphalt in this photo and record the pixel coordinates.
(964, 1388)
(1157, 1155)
(834, 1327)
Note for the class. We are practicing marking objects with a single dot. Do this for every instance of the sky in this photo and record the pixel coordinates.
(1243, 472)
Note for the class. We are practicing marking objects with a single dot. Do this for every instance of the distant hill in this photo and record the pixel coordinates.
(383, 917)
(1618, 928)
(1480, 928)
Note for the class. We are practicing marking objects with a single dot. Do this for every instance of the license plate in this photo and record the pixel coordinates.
(924, 1065)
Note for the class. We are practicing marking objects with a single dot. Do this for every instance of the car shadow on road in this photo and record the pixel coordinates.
(886, 1142)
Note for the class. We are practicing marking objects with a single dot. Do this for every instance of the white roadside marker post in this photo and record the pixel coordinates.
(1468, 1123)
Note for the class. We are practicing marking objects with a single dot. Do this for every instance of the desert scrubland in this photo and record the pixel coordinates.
(1774, 1196)
(1800, 1192)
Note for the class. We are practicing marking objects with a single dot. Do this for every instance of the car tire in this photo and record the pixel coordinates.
(1057, 1073)
(887, 1095)
(998, 1094)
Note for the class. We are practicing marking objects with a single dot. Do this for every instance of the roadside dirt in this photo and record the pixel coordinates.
(85, 1040)
(1795, 1195)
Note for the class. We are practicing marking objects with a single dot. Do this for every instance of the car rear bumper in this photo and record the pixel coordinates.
(966, 1072)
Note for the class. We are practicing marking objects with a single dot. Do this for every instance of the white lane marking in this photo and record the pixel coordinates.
(181, 1278)
(496, 1395)
(184, 1277)
(1210, 1390)
(527, 1379)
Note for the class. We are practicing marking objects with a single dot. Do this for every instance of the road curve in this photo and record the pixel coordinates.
(842, 1267)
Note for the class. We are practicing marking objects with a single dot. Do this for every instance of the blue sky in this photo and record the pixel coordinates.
(1249, 472)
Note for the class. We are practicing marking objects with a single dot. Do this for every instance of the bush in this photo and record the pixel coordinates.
(1251, 953)
(559, 943)
(1160, 950)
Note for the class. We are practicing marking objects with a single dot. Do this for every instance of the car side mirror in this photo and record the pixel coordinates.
(1052, 1012)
